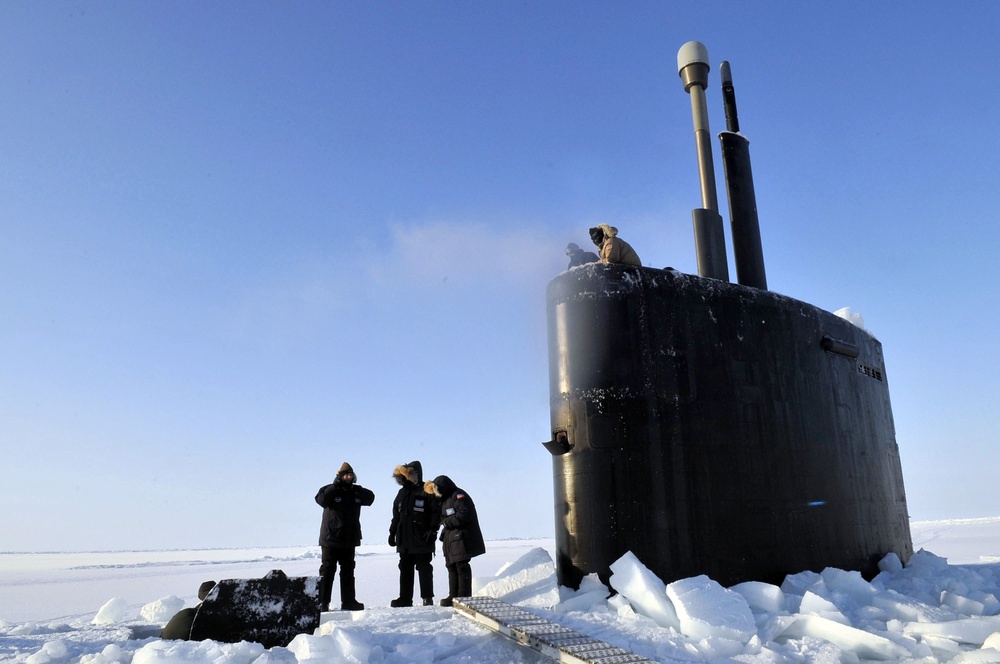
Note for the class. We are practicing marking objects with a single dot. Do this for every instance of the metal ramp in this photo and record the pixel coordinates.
(551, 639)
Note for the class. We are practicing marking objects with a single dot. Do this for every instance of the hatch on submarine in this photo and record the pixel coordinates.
(712, 427)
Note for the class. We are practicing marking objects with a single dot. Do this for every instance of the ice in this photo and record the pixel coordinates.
(815, 605)
(992, 641)
(796, 585)
(198, 652)
(162, 609)
(115, 610)
(847, 587)
(978, 656)
(927, 611)
(644, 591)
(583, 601)
(863, 644)
(340, 645)
(851, 316)
(974, 630)
(890, 563)
(530, 581)
(926, 563)
(53, 651)
(590, 596)
(705, 609)
(762, 597)
(111, 654)
(277, 656)
(906, 608)
(959, 604)
(991, 606)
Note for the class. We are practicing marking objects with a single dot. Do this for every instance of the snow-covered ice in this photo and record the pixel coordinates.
(940, 607)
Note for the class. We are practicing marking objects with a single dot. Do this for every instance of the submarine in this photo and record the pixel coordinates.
(710, 427)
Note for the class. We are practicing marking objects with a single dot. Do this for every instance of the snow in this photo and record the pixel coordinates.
(851, 316)
(108, 607)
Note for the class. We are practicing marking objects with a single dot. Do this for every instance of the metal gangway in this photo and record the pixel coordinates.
(560, 643)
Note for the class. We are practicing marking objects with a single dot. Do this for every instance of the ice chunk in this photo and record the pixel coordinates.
(341, 645)
(991, 606)
(590, 596)
(115, 610)
(529, 581)
(927, 561)
(277, 655)
(863, 644)
(963, 605)
(643, 589)
(196, 652)
(850, 316)
(762, 597)
(974, 630)
(993, 641)
(52, 651)
(706, 609)
(798, 584)
(815, 605)
(906, 608)
(847, 585)
(111, 654)
(988, 656)
(162, 609)
(944, 650)
(890, 563)
(770, 626)
(590, 601)
(592, 583)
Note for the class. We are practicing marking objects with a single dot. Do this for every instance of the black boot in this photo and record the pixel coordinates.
(400, 602)
(425, 573)
(452, 585)
(348, 601)
(464, 571)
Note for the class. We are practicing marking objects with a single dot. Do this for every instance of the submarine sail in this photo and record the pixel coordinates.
(716, 428)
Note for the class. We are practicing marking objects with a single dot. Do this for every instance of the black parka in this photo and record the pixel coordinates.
(342, 503)
(461, 536)
(416, 514)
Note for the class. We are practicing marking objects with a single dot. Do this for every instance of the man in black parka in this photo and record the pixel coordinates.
(340, 535)
(461, 536)
(415, 518)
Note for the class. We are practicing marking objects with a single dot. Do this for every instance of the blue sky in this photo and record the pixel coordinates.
(243, 242)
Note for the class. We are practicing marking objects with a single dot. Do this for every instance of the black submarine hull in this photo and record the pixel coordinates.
(718, 429)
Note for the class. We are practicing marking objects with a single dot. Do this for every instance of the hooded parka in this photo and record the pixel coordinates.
(461, 536)
(613, 249)
(416, 514)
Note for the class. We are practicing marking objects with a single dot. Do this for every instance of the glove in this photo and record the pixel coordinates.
(392, 539)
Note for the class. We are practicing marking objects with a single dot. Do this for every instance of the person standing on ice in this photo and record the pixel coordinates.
(612, 248)
(416, 515)
(461, 537)
(340, 535)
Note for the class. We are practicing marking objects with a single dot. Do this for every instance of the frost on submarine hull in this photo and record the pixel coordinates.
(716, 428)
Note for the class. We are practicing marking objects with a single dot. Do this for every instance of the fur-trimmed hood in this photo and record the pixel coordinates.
(412, 472)
(442, 486)
(609, 231)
